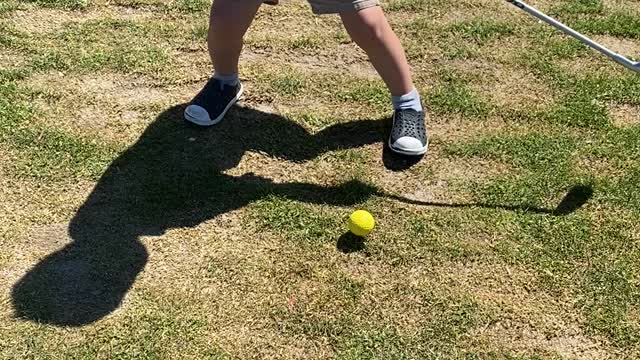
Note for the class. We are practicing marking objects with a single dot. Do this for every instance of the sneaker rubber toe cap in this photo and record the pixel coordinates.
(197, 114)
(409, 145)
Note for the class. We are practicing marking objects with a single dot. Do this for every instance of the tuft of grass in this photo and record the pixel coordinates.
(618, 24)
(369, 92)
(546, 161)
(532, 151)
(304, 43)
(564, 48)
(50, 154)
(580, 7)
(158, 4)
(10, 37)
(47, 153)
(288, 84)
(585, 106)
(13, 111)
(192, 6)
(481, 31)
(454, 96)
(7, 7)
(63, 4)
(331, 88)
(407, 5)
(295, 220)
(445, 322)
(460, 52)
(119, 45)
(611, 293)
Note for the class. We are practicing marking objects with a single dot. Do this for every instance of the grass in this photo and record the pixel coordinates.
(454, 96)
(128, 234)
(64, 4)
(481, 31)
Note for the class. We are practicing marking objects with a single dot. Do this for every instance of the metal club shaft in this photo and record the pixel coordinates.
(620, 59)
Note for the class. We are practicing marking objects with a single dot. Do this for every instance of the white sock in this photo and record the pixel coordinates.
(407, 101)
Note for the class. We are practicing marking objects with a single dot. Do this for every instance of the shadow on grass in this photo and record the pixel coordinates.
(349, 243)
(172, 177)
(397, 162)
(575, 198)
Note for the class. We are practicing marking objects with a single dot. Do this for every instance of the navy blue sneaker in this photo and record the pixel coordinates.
(408, 134)
(212, 103)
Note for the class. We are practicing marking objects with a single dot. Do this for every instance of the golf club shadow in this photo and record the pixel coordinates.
(575, 198)
(173, 177)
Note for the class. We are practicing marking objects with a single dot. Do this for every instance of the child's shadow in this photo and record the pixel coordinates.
(172, 177)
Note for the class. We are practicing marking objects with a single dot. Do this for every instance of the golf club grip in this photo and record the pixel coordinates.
(569, 31)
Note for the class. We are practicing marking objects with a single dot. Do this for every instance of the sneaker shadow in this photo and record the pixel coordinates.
(172, 177)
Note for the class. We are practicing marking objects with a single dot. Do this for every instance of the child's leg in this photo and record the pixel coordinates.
(369, 28)
(371, 31)
(228, 23)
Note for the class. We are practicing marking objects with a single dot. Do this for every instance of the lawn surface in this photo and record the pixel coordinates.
(128, 234)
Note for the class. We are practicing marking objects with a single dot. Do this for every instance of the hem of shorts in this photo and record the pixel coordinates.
(325, 10)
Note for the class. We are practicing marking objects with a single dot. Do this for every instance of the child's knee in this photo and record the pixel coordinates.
(229, 9)
(368, 24)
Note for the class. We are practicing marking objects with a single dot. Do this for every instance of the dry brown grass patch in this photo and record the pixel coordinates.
(11, 59)
(625, 115)
(627, 47)
(598, 167)
(622, 5)
(237, 281)
(512, 88)
(529, 320)
(596, 63)
(39, 21)
(109, 106)
(446, 176)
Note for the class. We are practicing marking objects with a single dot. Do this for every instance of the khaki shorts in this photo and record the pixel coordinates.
(335, 6)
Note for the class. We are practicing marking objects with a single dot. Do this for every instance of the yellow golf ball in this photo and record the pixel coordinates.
(361, 223)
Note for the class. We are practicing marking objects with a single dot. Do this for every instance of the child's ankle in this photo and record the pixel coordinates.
(410, 100)
(227, 79)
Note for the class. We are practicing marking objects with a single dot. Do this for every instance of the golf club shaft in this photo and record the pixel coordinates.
(569, 31)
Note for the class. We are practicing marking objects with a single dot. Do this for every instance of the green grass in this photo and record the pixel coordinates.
(454, 95)
(231, 242)
(576, 7)
(296, 220)
(47, 152)
(443, 327)
(7, 7)
(621, 24)
(481, 31)
(408, 5)
(193, 6)
(294, 84)
(63, 4)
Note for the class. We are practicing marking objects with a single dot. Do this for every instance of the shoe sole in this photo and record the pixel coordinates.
(220, 117)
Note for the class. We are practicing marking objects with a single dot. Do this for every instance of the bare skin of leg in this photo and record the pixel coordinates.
(228, 23)
(370, 30)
